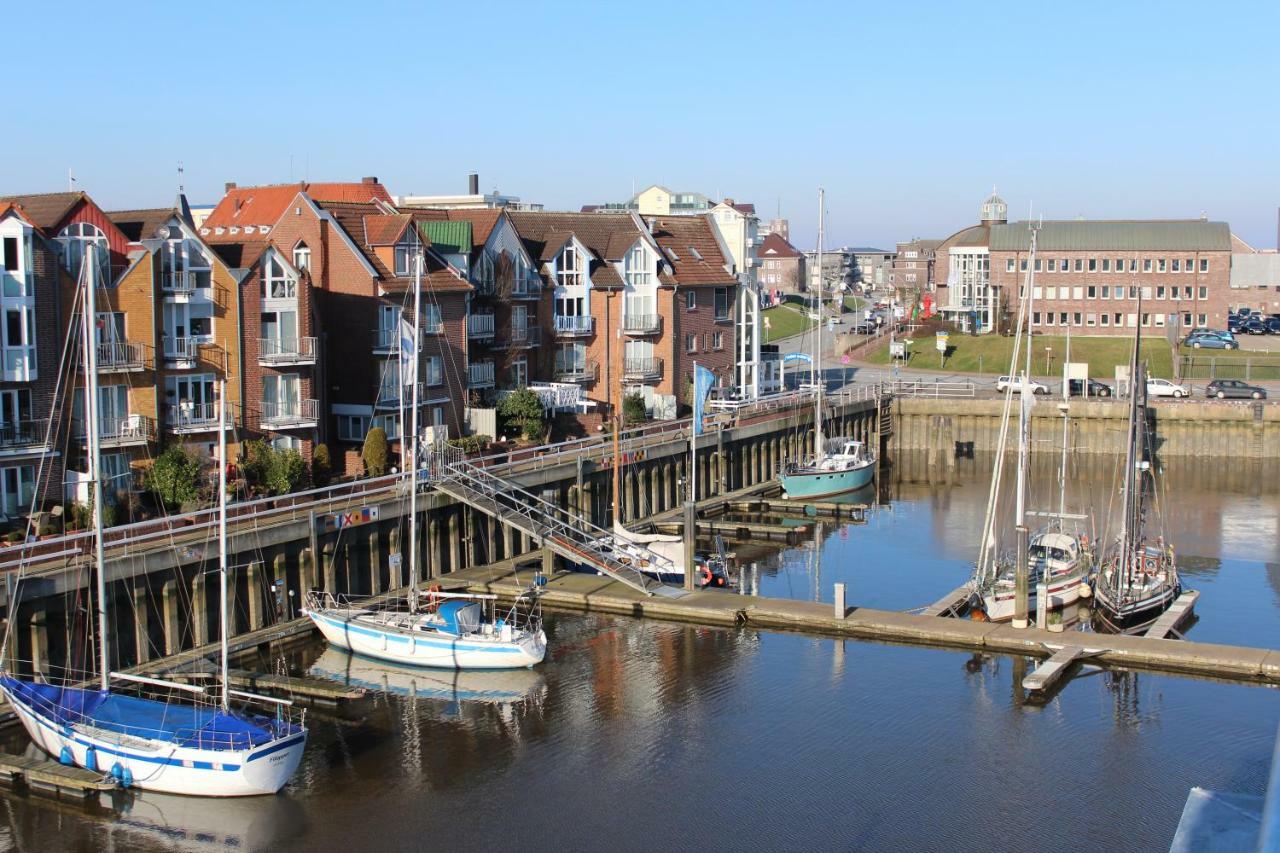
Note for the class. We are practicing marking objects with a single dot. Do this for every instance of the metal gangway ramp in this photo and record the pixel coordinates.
(566, 533)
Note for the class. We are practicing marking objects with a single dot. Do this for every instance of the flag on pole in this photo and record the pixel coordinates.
(703, 380)
(408, 352)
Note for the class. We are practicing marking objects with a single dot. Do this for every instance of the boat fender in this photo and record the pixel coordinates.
(117, 771)
(65, 757)
(1085, 590)
(126, 778)
(91, 759)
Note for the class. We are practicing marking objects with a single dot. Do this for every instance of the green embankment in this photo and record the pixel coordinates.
(990, 354)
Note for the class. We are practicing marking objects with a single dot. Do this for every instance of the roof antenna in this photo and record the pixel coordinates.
(180, 187)
(71, 180)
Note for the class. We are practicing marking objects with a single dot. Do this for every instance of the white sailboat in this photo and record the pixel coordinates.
(839, 465)
(435, 629)
(171, 745)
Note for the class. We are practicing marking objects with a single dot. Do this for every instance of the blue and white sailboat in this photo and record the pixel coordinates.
(838, 465)
(177, 746)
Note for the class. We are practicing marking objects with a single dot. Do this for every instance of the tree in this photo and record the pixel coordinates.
(633, 410)
(276, 472)
(321, 467)
(523, 410)
(175, 476)
(374, 452)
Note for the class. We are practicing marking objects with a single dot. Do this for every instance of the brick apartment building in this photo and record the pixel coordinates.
(782, 265)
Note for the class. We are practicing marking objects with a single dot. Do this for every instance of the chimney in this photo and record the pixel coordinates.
(230, 186)
(368, 180)
(473, 183)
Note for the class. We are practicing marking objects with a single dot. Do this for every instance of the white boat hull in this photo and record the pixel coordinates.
(999, 605)
(424, 648)
(164, 766)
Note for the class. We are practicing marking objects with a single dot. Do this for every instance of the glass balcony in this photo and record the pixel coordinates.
(187, 417)
(480, 374)
(286, 351)
(480, 326)
(22, 435)
(642, 324)
(581, 372)
(642, 369)
(574, 327)
(290, 414)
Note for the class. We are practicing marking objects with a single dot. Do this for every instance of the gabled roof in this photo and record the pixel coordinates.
(264, 205)
(607, 236)
(141, 224)
(745, 208)
(385, 229)
(691, 247)
(12, 206)
(446, 236)
(774, 246)
(351, 217)
(242, 253)
(483, 221)
(47, 210)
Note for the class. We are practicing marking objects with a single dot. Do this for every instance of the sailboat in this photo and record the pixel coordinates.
(1056, 556)
(839, 465)
(452, 630)
(158, 744)
(1139, 575)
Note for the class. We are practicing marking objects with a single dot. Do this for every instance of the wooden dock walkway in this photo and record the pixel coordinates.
(49, 778)
(739, 531)
(1049, 671)
(950, 603)
(1172, 619)
(856, 513)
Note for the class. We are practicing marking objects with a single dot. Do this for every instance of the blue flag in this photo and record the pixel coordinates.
(703, 380)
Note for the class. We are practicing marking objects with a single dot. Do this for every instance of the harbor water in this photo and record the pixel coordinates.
(639, 735)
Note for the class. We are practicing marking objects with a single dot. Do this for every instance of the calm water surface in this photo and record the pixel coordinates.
(643, 736)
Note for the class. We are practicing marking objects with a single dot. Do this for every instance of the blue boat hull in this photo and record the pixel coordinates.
(821, 484)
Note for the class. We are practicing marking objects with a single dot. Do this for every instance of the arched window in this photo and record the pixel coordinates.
(79, 239)
(302, 257)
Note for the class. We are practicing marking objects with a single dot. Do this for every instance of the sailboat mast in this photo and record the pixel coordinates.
(222, 544)
(817, 355)
(1024, 421)
(1129, 521)
(88, 275)
(413, 445)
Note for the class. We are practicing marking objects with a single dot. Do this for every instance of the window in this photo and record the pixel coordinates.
(717, 341)
(1160, 265)
(1117, 319)
(1204, 293)
(1105, 318)
(691, 343)
(1051, 293)
(1202, 320)
(1146, 319)
(1076, 292)
(1186, 292)
(1062, 318)
(1106, 265)
(1092, 291)
(1079, 264)
(484, 271)
(352, 427)
(690, 300)
(1038, 262)
(1062, 265)
(1049, 318)
(1091, 319)
(281, 395)
(1119, 264)
(301, 257)
(278, 283)
(1133, 265)
(1022, 265)
(1008, 264)
(1035, 318)
(17, 486)
(518, 373)
(1093, 265)
(1146, 265)
(1186, 319)
(1160, 292)
(637, 267)
(79, 239)
(1106, 291)
(1075, 319)
(11, 262)
(1204, 265)
(279, 332)
(1146, 293)
(1177, 265)
(434, 370)
(722, 303)
(1049, 265)
(1132, 320)
(1037, 293)
(1160, 320)
(431, 320)
(1188, 265)
(405, 252)
(569, 268)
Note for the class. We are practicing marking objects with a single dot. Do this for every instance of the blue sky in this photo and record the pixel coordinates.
(908, 114)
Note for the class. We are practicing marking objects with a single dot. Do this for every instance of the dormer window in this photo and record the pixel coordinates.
(77, 240)
(301, 257)
(569, 267)
(277, 282)
(638, 267)
(406, 250)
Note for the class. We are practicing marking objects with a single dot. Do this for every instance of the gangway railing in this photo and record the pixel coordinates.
(567, 533)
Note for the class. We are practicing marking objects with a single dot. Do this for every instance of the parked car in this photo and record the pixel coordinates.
(1165, 388)
(1235, 389)
(864, 327)
(1005, 382)
(1095, 388)
(1273, 325)
(1211, 340)
(1254, 326)
(1235, 324)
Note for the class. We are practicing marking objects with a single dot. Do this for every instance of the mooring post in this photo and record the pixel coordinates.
(1021, 581)
(690, 540)
(1042, 605)
(839, 601)
(548, 561)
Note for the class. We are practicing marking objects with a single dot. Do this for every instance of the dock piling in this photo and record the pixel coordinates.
(690, 541)
(839, 601)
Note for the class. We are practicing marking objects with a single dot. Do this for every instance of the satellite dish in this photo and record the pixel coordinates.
(163, 232)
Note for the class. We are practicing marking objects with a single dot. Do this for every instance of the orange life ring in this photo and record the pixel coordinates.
(706, 574)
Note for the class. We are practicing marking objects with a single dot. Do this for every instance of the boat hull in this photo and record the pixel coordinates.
(164, 766)
(999, 606)
(424, 648)
(822, 484)
(1132, 617)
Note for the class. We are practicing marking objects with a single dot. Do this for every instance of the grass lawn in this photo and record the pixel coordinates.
(783, 322)
(854, 303)
(990, 354)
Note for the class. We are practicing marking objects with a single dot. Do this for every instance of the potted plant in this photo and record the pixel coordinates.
(1055, 621)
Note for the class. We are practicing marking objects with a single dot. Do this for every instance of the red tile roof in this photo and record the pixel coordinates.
(607, 236)
(483, 221)
(140, 224)
(47, 210)
(690, 246)
(385, 229)
(265, 205)
(774, 246)
(352, 216)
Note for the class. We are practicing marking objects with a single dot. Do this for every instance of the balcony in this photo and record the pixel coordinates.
(273, 351)
(574, 327)
(432, 326)
(387, 341)
(480, 327)
(181, 352)
(179, 284)
(186, 418)
(128, 431)
(290, 414)
(532, 289)
(485, 288)
(642, 369)
(522, 338)
(480, 374)
(389, 396)
(122, 357)
(642, 324)
(18, 437)
(580, 373)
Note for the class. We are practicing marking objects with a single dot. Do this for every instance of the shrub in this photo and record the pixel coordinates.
(633, 410)
(471, 443)
(174, 478)
(321, 467)
(374, 452)
(522, 410)
(276, 472)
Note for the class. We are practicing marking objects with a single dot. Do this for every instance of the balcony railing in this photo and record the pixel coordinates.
(387, 341)
(522, 337)
(181, 349)
(182, 283)
(192, 417)
(642, 368)
(432, 326)
(579, 372)
(480, 326)
(642, 324)
(485, 288)
(532, 290)
(290, 414)
(480, 374)
(572, 327)
(125, 431)
(389, 395)
(286, 350)
(15, 435)
(121, 356)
